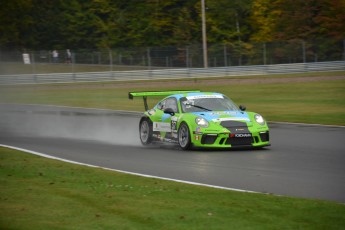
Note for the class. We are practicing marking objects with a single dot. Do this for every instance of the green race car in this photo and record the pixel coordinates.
(200, 119)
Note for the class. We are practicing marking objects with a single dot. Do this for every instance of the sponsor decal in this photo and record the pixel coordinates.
(239, 135)
(223, 113)
(158, 136)
(203, 96)
(198, 131)
(231, 119)
(161, 126)
(173, 118)
(174, 123)
(230, 112)
(151, 112)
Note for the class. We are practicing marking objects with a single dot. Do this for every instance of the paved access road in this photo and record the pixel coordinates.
(303, 161)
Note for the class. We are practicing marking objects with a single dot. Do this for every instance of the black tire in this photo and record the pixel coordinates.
(145, 131)
(184, 136)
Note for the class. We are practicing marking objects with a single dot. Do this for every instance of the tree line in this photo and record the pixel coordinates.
(98, 24)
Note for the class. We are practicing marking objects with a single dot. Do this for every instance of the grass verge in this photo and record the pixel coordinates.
(40, 193)
(8, 68)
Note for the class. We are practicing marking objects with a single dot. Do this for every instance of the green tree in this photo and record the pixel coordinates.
(90, 24)
(84, 26)
(227, 21)
(46, 15)
(16, 24)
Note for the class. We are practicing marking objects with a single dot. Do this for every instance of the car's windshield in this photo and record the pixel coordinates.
(201, 103)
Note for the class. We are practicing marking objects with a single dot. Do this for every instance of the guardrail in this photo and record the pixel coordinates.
(171, 73)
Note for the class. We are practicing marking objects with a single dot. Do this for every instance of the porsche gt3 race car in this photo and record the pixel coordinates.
(200, 119)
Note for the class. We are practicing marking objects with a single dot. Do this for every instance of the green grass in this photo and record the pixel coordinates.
(40, 193)
(320, 102)
(41, 68)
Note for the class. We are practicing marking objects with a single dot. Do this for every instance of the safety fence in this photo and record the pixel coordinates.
(171, 73)
(234, 53)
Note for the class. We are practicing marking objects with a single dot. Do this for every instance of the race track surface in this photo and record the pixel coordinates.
(303, 161)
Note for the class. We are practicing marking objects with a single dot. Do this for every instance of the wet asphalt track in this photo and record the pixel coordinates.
(303, 161)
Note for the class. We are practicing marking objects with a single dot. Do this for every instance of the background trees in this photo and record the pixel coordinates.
(298, 19)
(90, 24)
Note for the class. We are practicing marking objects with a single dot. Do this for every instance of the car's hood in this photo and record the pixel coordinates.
(218, 116)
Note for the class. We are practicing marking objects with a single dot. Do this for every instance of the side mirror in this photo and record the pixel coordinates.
(169, 111)
(242, 108)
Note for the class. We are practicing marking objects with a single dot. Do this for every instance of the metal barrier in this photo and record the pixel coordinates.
(171, 73)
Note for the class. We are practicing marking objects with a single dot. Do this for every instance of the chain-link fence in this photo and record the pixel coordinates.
(149, 58)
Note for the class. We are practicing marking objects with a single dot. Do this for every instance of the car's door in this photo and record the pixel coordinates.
(167, 125)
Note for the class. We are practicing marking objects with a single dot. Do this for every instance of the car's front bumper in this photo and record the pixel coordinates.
(227, 140)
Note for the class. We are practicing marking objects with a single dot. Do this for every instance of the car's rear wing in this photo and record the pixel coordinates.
(146, 94)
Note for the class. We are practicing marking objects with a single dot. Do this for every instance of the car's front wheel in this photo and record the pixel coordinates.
(145, 131)
(184, 136)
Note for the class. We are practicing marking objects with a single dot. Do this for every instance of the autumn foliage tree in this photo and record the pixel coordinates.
(91, 24)
(298, 19)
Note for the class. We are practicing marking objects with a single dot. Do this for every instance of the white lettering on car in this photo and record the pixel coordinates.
(243, 135)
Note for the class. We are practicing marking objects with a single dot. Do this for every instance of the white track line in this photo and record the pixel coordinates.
(127, 172)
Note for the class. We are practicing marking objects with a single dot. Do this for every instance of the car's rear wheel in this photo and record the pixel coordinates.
(184, 136)
(145, 131)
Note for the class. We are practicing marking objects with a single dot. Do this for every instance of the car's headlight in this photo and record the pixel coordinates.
(201, 122)
(259, 119)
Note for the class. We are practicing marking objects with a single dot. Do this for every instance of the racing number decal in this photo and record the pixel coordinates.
(173, 123)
